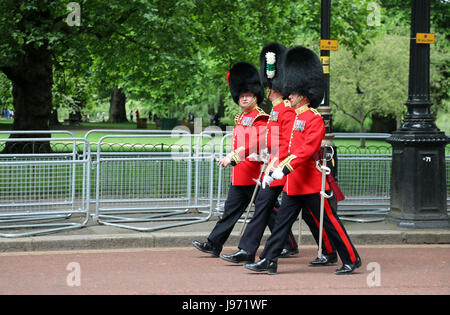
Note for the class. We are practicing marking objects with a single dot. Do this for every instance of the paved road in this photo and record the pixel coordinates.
(419, 269)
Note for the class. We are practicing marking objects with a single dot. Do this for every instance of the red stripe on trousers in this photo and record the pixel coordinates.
(340, 231)
(324, 234)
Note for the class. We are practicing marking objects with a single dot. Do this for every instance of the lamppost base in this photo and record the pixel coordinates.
(418, 184)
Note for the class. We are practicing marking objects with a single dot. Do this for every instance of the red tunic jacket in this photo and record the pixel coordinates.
(306, 137)
(278, 133)
(248, 132)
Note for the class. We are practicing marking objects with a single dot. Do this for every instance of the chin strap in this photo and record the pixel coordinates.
(297, 100)
(251, 105)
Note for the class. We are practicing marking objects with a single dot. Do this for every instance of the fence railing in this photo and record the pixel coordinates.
(140, 180)
(363, 176)
(161, 185)
(43, 190)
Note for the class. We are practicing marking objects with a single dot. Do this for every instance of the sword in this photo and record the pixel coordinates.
(324, 170)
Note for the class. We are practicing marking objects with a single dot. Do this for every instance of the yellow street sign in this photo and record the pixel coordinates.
(325, 60)
(328, 44)
(425, 38)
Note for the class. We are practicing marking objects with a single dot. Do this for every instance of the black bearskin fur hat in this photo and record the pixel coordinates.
(303, 74)
(270, 65)
(244, 77)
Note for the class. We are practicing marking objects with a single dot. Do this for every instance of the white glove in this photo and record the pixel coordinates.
(264, 155)
(266, 181)
(254, 157)
(324, 194)
(277, 173)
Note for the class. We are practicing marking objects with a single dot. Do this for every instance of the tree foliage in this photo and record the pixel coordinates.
(397, 19)
(170, 54)
(375, 81)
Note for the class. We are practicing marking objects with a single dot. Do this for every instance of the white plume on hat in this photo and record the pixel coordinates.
(270, 61)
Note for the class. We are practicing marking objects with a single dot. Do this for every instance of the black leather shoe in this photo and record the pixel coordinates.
(207, 247)
(286, 252)
(263, 265)
(347, 269)
(241, 256)
(325, 260)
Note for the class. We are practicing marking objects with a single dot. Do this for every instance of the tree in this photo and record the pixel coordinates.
(397, 18)
(374, 81)
(117, 112)
(172, 54)
(33, 35)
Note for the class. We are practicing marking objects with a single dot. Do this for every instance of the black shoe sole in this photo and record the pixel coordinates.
(206, 251)
(269, 271)
(237, 261)
(344, 273)
(331, 262)
(292, 253)
(357, 265)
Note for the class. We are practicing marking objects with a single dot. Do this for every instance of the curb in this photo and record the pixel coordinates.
(184, 239)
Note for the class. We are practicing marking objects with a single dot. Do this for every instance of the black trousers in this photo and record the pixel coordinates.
(289, 210)
(237, 201)
(314, 224)
(266, 208)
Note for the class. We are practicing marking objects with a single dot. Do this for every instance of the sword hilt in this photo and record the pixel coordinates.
(324, 194)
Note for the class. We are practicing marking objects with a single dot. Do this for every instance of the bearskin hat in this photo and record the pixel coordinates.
(303, 74)
(270, 65)
(244, 77)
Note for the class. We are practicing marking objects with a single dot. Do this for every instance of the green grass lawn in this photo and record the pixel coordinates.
(138, 140)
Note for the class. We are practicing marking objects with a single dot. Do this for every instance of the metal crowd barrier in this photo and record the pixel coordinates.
(365, 181)
(224, 174)
(44, 189)
(364, 176)
(129, 180)
(144, 185)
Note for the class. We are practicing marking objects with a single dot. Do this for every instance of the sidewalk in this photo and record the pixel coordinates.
(95, 236)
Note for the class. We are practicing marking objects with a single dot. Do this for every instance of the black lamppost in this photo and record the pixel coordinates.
(418, 184)
(324, 108)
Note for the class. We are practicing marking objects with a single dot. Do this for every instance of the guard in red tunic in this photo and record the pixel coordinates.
(277, 139)
(266, 204)
(304, 84)
(247, 91)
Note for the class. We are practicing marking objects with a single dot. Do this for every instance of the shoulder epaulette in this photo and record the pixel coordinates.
(315, 111)
(277, 101)
(302, 109)
(261, 113)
